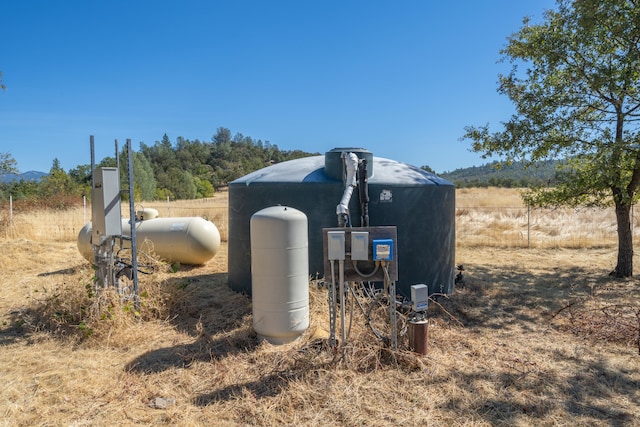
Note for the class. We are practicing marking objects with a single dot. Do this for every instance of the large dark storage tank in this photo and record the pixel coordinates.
(420, 204)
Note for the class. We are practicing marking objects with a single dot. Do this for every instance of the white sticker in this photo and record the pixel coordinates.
(177, 226)
(386, 196)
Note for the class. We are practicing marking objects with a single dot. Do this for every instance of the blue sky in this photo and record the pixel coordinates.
(399, 78)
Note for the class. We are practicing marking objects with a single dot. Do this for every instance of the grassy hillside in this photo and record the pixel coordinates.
(497, 175)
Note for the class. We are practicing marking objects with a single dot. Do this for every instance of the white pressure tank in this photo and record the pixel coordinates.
(279, 273)
(187, 240)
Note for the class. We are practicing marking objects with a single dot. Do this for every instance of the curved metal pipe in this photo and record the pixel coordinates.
(351, 169)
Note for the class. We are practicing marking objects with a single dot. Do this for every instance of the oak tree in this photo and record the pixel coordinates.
(575, 85)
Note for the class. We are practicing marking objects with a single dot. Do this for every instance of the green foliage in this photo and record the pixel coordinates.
(428, 169)
(144, 182)
(195, 168)
(204, 188)
(578, 98)
(58, 182)
(516, 174)
(81, 176)
(7, 163)
(19, 190)
(186, 170)
(164, 193)
(181, 183)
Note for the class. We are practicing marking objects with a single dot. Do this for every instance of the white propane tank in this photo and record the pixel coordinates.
(188, 240)
(279, 273)
(146, 214)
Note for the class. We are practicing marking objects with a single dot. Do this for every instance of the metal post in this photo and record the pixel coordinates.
(132, 216)
(392, 315)
(332, 306)
(93, 161)
(84, 208)
(343, 328)
(528, 225)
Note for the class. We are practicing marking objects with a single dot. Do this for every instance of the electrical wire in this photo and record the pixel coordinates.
(365, 275)
(349, 287)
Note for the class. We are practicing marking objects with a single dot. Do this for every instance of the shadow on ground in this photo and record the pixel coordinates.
(491, 298)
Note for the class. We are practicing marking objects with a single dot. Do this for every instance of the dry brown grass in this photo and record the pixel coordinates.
(50, 223)
(515, 345)
(496, 217)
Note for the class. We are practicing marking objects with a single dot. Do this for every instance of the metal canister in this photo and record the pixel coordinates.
(418, 335)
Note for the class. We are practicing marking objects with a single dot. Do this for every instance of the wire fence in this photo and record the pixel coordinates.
(65, 225)
(528, 227)
(518, 227)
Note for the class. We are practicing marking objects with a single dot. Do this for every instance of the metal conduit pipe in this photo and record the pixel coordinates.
(351, 169)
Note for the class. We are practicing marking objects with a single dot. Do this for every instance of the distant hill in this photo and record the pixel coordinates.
(6, 178)
(514, 175)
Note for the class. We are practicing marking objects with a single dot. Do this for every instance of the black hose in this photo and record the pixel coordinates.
(363, 192)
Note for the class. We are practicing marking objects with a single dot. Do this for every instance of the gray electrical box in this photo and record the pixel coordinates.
(105, 204)
(354, 245)
(335, 249)
(359, 245)
(419, 297)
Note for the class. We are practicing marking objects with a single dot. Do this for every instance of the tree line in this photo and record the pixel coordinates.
(186, 169)
(510, 175)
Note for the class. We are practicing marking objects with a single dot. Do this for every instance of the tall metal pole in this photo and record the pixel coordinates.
(343, 330)
(119, 175)
(93, 162)
(132, 220)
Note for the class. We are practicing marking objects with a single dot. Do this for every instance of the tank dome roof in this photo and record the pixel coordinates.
(311, 169)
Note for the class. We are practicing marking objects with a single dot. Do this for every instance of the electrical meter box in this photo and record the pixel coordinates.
(106, 218)
(382, 249)
(364, 250)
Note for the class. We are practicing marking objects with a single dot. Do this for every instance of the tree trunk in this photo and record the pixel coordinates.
(625, 241)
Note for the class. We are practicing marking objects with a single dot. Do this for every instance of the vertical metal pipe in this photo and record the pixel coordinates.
(343, 328)
(332, 306)
(132, 220)
(93, 161)
(119, 180)
(392, 315)
(363, 187)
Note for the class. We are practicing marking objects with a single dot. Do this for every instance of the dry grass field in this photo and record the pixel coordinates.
(535, 336)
